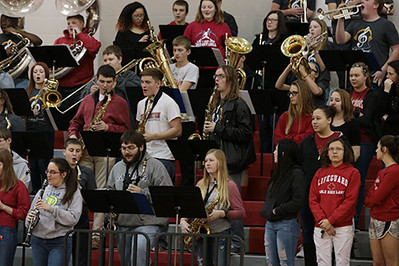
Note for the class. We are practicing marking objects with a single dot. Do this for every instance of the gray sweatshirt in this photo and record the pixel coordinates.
(155, 175)
(21, 168)
(61, 217)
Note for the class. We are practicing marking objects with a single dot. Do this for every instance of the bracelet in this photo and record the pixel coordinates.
(226, 214)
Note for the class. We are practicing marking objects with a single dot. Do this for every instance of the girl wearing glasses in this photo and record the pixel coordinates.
(231, 128)
(365, 104)
(133, 32)
(296, 122)
(60, 209)
(14, 205)
(274, 29)
(382, 198)
(311, 149)
(332, 199)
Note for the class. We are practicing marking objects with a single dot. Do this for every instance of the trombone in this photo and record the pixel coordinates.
(125, 68)
(345, 12)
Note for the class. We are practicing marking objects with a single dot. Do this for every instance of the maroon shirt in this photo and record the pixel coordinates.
(19, 200)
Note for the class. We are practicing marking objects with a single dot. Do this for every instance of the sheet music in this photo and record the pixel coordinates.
(187, 104)
(218, 56)
(245, 96)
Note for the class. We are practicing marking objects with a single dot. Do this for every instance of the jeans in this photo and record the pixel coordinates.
(367, 151)
(151, 230)
(170, 166)
(50, 251)
(280, 242)
(210, 253)
(8, 245)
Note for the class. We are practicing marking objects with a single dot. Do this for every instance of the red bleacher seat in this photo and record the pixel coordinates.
(163, 258)
(254, 169)
(59, 140)
(256, 187)
(95, 258)
(256, 240)
(252, 216)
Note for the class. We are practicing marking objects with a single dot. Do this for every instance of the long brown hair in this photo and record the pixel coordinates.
(304, 104)
(231, 80)
(222, 179)
(281, 27)
(346, 104)
(8, 178)
(70, 180)
(7, 102)
(219, 19)
(348, 153)
(392, 144)
(324, 28)
(32, 82)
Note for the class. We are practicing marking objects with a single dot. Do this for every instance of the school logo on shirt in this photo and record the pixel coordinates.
(363, 38)
(52, 200)
(39, 103)
(8, 44)
(207, 38)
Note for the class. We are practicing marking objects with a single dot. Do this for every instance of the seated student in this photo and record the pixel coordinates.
(7, 117)
(136, 173)
(112, 56)
(20, 165)
(73, 152)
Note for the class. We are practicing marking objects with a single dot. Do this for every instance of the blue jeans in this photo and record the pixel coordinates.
(50, 251)
(367, 151)
(280, 242)
(151, 230)
(170, 166)
(8, 245)
(210, 253)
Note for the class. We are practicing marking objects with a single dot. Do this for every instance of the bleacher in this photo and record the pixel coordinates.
(254, 224)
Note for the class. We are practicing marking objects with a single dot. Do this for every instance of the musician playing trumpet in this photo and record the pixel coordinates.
(135, 173)
(115, 118)
(294, 10)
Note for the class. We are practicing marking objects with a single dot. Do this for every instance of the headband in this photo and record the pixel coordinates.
(362, 67)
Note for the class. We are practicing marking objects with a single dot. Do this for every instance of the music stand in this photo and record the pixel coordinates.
(20, 101)
(297, 28)
(116, 201)
(103, 144)
(59, 121)
(336, 60)
(58, 55)
(206, 57)
(171, 202)
(31, 143)
(169, 33)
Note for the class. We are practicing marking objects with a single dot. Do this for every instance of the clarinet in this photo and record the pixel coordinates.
(35, 219)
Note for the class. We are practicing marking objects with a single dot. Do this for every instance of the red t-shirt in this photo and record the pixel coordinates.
(357, 103)
(322, 142)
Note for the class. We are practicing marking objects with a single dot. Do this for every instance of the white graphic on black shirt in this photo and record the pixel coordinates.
(363, 38)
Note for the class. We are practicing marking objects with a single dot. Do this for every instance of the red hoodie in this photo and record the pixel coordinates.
(333, 194)
(383, 196)
(300, 129)
(84, 72)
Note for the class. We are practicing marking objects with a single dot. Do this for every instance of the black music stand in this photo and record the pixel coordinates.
(199, 99)
(20, 101)
(205, 57)
(31, 143)
(172, 202)
(58, 55)
(103, 144)
(169, 33)
(297, 28)
(338, 60)
(59, 121)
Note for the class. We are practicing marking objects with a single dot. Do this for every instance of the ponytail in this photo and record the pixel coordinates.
(70, 180)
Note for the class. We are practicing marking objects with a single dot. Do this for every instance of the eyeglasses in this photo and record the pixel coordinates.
(129, 148)
(335, 149)
(292, 93)
(272, 20)
(138, 16)
(219, 76)
(47, 172)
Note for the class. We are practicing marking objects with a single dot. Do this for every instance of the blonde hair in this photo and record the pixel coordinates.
(222, 179)
(304, 105)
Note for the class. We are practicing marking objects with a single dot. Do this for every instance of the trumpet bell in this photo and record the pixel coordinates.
(293, 46)
(72, 7)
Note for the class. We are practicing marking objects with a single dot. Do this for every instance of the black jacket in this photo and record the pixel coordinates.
(370, 112)
(233, 134)
(390, 106)
(287, 199)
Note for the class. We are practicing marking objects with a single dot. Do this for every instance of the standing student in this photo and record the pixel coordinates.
(60, 209)
(229, 19)
(332, 199)
(390, 98)
(294, 10)
(7, 117)
(382, 198)
(86, 179)
(14, 205)
(285, 195)
(216, 181)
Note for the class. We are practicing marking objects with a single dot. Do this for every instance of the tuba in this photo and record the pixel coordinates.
(19, 8)
(71, 7)
(237, 47)
(295, 47)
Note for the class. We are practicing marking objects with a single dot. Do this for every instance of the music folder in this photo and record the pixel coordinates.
(169, 33)
(20, 101)
(206, 57)
(57, 55)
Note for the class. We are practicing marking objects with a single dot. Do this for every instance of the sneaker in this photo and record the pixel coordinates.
(235, 250)
(95, 243)
(300, 253)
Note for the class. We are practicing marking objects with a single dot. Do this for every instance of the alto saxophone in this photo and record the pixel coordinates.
(35, 219)
(208, 112)
(199, 223)
(143, 121)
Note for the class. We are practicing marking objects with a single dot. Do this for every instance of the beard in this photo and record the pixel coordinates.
(133, 160)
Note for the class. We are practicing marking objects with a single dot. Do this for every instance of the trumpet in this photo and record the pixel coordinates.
(346, 12)
(304, 5)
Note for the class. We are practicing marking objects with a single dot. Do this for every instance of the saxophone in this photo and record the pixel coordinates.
(97, 118)
(35, 219)
(143, 121)
(199, 223)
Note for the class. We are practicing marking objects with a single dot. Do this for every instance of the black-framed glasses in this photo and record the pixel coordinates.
(51, 172)
(220, 76)
(292, 93)
(272, 20)
(130, 148)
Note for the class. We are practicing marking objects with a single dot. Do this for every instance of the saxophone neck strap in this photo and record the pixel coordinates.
(156, 99)
(208, 193)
